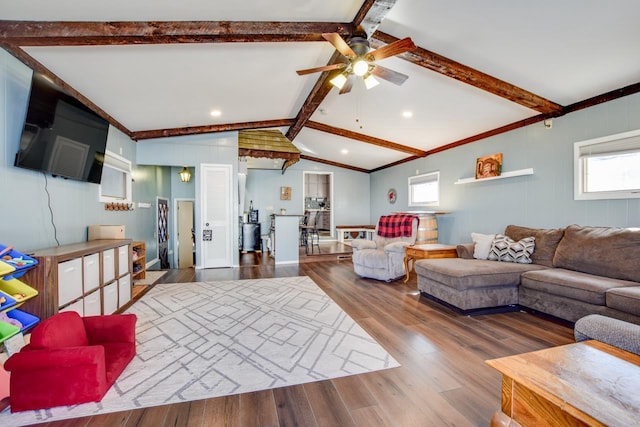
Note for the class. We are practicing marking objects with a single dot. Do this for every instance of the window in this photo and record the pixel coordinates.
(424, 190)
(607, 167)
(115, 185)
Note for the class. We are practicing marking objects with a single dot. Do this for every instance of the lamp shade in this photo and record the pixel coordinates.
(185, 174)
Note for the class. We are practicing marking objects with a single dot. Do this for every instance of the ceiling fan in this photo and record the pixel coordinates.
(361, 62)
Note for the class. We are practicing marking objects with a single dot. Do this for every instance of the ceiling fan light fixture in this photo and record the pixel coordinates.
(370, 82)
(360, 67)
(339, 80)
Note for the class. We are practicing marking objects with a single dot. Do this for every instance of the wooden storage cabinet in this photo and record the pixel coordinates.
(90, 278)
(138, 260)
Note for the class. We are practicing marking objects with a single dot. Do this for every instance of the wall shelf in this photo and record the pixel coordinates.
(510, 174)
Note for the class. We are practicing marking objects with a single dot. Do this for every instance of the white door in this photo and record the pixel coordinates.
(216, 216)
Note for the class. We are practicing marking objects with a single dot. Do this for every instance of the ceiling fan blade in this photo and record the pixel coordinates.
(389, 75)
(339, 43)
(392, 49)
(323, 68)
(348, 85)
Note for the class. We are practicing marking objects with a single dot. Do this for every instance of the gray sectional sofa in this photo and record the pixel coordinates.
(575, 271)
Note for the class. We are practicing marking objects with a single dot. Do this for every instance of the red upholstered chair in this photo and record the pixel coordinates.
(70, 360)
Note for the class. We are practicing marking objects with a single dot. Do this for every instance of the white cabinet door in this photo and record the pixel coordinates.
(110, 298)
(91, 272)
(69, 281)
(92, 304)
(108, 266)
(77, 306)
(124, 290)
(123, 260)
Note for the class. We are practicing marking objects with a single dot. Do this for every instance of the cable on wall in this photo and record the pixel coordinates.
(46, 189)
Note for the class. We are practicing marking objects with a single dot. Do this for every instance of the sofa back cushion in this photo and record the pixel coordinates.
(547, 241)
(603, 251)
(59, 331)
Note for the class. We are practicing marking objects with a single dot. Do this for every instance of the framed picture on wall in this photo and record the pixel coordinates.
(489, 166)
(285, 193)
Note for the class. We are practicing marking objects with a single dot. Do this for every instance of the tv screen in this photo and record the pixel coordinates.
(61, 136)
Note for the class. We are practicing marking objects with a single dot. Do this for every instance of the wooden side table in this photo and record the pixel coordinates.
(589, 383)
(430, 251)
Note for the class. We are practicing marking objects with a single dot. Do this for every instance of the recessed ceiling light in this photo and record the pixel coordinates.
(407, 114)
(344, 151)
(215, 113)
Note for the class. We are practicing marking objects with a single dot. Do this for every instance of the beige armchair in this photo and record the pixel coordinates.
(383, 257)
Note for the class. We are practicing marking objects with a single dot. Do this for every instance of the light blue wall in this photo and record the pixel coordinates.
(27, 220)
(350, 202)
(193, 151)
(544, 199)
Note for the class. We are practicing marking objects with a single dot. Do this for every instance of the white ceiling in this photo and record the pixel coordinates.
(564, 51)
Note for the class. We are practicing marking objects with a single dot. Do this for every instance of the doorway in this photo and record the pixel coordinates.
(186, 233)
(318, 197)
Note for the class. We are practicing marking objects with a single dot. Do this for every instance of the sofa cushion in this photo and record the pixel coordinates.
(547, 241)
(482, 244)
(603, 251)
(624, 299)
(463, 274)
(505, 249)
(572, 284)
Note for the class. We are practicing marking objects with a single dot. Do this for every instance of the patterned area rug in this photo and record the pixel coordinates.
(209, 339)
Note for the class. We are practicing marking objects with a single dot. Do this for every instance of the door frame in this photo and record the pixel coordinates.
(175, 226)
(332, 231)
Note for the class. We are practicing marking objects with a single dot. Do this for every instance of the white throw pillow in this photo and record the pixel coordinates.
(482, 245)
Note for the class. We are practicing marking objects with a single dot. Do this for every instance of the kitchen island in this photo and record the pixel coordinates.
(286, 238)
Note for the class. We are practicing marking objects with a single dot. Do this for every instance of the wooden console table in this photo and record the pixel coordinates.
(583, 384)
(433, 250)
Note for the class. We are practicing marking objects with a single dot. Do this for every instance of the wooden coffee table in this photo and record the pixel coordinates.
(583, 384)
(434, 250)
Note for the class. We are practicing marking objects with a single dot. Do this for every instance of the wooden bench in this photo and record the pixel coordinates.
(346, 233)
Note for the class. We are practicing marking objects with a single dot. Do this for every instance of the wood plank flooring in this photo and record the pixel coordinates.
(443, 380)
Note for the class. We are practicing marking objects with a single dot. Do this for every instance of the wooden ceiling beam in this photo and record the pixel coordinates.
(44, 33)
(455, 70)
(336, 164)
(318, 93)
(365, 138)
(371, 13)
(193, 130)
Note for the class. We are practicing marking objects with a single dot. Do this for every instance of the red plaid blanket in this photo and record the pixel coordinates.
(396, 225)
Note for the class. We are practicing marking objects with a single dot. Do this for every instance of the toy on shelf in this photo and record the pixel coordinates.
(19, 261)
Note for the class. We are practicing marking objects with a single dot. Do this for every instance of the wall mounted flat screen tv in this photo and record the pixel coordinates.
(61, 136)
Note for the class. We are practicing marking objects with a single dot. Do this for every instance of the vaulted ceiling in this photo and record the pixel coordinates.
(157, 68)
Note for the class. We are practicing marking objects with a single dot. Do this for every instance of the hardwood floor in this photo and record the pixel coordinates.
(443, 379)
